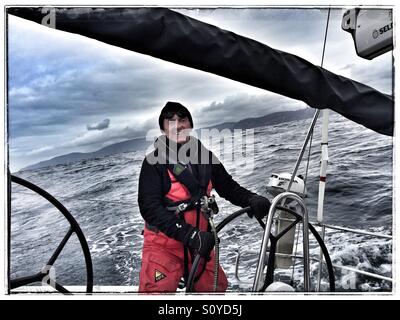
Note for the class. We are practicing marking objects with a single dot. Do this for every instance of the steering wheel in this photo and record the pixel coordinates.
(274, 240)
(74, 228)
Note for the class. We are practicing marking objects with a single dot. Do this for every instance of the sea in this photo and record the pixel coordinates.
(101, 194)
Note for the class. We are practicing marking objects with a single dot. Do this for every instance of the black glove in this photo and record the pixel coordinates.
(201, 241)
(259, 207)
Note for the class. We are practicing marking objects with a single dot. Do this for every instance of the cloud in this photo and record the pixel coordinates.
(72, 80)
(93, 140)
(40, 150)
(57, 96)
(99, 126)
(241, 106)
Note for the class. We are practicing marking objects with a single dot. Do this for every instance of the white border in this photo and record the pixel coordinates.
(126, 295)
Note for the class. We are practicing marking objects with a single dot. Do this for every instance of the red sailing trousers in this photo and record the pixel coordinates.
(163, 257)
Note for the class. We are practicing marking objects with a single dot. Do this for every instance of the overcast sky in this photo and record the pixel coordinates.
(68, 93)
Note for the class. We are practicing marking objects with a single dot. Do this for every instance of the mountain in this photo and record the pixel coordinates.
(124, 146)
(141, 143)
(268, 120)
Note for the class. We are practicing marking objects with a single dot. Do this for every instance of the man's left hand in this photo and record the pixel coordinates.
(259, 207)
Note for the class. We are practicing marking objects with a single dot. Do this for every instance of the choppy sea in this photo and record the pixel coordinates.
(101, 194)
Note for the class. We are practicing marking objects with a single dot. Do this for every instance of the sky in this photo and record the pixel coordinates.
(68, 93)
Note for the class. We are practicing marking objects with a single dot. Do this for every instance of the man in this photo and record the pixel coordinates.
(174, 184)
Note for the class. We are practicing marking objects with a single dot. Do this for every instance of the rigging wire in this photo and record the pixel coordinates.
(308, 162)
(322, 63)
(311, 138)
(326, 34)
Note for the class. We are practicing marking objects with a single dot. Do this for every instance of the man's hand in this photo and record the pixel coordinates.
(259, 207)
(201, 241)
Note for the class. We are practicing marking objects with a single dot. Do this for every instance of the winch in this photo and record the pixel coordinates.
(279, 182)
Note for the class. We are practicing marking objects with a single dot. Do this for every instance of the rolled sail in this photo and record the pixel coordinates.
(171, 36)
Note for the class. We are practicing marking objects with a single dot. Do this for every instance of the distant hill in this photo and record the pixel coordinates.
(268, 120)
(141, 143)
(124, 146)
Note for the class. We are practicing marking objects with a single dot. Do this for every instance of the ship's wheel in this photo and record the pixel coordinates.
(45, 274)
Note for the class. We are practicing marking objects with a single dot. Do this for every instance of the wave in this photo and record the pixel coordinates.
(102, 195)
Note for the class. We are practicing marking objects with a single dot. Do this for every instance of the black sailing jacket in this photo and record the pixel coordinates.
(154, 184)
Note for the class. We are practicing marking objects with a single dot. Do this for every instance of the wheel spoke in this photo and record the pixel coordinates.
(60, 247)
(61, 288)
(74, 227)
(23, 281)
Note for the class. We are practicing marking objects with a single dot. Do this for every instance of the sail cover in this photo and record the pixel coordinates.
(171, 36)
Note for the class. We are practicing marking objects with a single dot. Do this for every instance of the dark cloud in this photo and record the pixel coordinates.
(98, 126)
(241, 106)
(60, 82)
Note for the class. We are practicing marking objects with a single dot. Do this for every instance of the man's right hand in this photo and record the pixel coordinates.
(201, 241)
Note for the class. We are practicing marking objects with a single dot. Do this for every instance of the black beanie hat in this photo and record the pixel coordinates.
(174, 107)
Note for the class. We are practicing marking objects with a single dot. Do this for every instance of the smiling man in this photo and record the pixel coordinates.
(175, 201)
